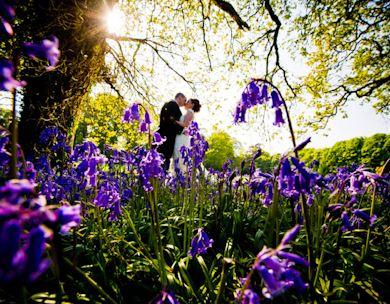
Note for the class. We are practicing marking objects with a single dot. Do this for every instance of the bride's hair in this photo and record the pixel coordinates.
(196, 104)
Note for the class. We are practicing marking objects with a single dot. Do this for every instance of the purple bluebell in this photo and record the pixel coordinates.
(302, 145)
(365, 216)
(151, 166)
(275, 266)
(108, 197)
(158, 140)
(68, 217)
(143, 127)
(278, 117)
(147, 118)
(7, 16)
(7, 80)
(346, 223)
(290, 235)
(249, 297)
(165, 297)
(33, 262)
(131, 114)
(46, 49)
(200, 243)
(264, 92)
(276, 100)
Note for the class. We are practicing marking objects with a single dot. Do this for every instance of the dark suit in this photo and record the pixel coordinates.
(170, 112)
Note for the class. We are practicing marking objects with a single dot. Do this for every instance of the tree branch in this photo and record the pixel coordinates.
(228, 8)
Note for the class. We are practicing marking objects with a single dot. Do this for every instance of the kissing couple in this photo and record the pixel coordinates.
(173, 126)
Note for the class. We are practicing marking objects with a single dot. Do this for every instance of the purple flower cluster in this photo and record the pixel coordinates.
(54, 139)
(151, 166)
(353, 183)
(26, 224)
(108, 197)
(262, 184)
(194, 155)
(132, 114)
(46, 49)
(256, 93)
(297, 179)
(165, 297)
(276, 268)
(200, 243)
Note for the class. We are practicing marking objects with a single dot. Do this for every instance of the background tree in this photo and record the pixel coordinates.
(347, 48)
(371, 151)
(221, 148)
(54, 97)
(101, 122)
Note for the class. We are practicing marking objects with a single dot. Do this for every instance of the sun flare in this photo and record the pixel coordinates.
(115, 21)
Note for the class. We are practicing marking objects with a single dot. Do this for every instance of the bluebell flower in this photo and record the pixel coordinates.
(131, 114)
(365, 216)
(34, 264)
(151, 166)
(165, 297)
(200, 243)
(302, 144)
(46, 49)
(68, 217)
(346, 223)
(264, 92)
(158, 140)
(7, 80)
(275, 266)
(276, 100)
(249, 296)
(143, 127)
(278, 117)
(7, 16)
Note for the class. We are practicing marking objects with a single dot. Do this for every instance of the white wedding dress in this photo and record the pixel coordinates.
(182, 139)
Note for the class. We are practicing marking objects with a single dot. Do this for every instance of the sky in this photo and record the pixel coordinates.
(221, 91)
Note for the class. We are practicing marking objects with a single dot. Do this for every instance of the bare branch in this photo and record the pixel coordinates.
(228, 8)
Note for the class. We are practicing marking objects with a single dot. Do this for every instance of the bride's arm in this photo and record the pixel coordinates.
(187, 120)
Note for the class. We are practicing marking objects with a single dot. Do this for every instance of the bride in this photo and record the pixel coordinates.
(192, 106)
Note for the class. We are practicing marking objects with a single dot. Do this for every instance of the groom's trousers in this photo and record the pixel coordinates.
(166, 149)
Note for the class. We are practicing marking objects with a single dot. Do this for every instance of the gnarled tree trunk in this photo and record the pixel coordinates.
(54, 97)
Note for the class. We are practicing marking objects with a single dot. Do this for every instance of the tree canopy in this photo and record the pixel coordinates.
(207, 45)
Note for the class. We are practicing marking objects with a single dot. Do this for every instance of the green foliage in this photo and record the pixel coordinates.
(346, 46)
(101, 122)
(221, 148)
(372, 151)
(5, 117)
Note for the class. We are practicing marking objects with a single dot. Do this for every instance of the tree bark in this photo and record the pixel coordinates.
(54, 97)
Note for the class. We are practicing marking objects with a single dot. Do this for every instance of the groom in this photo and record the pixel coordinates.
(170, 113)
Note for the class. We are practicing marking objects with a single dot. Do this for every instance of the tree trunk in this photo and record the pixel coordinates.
(54, 97)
